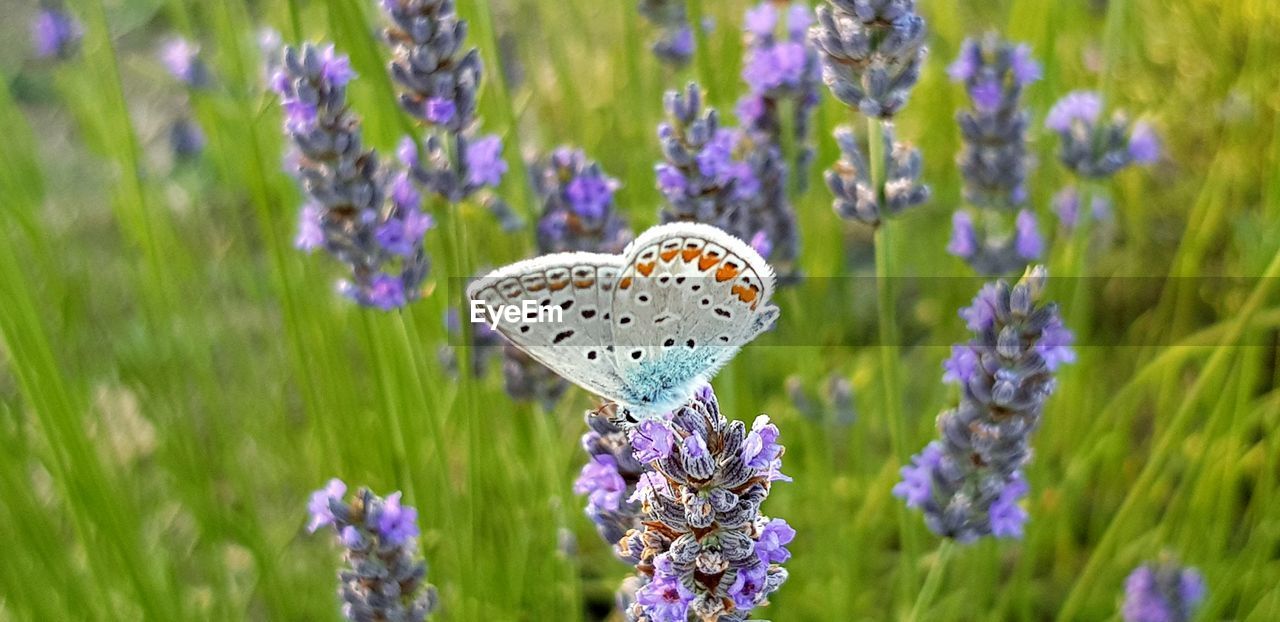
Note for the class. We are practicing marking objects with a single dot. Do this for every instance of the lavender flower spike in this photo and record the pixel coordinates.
(969, 481)
(871, 52)
(780, 68)
(1163, 592)
(704, 549)
(384, 578)
(578, 210)
(357, 211)
(724, 177)
(1096, 149)
(993, 160)
(850, 179)
(609, 477)
(439, 84)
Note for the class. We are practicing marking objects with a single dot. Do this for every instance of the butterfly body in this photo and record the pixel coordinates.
(644, 328)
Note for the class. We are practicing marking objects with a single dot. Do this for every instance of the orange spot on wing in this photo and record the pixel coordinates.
(559, 285)
(725, 273)
(645, 269)
(584, 284)
(537, 288)
(708, 260)
(689, 254)
(624, 283)
(746, 293)
(668, 255)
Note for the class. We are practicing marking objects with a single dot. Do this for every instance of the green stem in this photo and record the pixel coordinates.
(933, 580)
(891, 378)
(701, 53)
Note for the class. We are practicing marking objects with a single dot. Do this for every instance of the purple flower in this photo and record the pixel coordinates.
(397, 523)
(761, 447)
(601, 482)
(1162, 592)
(1082, 106)
(966, 64)
(964, 240)
(1055, 344)
(961, 365)
(335, 67)
(653, 440)
(681, 43)
(440, 110)
(54, 33)
(986, 95)
(694, 447)
(716, 159)
(1007, 517)
(485, 166)
(650, 483)
(407, 152)
(299, 116)
(590, 194)
(318, 507)
(670, 181)
(748, 586)
(310, 232)
(1025, 69)
(350, 537)
(1027, 240)
(1066, 204)
(760, 243)
(403, 235)
(665, 600)
(385, 292)
(916, 486)
(799, 18)
(771, 547)
(181, 58)
(1144, 144)
(404, 194)
(761, 20)
(979, 315)
(750, 109)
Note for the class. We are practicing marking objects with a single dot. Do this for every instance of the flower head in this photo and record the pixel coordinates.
(871, 52)
(319, 507)
(485, 166)
(1163, 592)
(1096, 149)
(55, 33)
(1076, 107)
(601, 482)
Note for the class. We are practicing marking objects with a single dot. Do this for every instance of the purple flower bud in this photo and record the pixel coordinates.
(771, 548)
(917, 478)
(310, 233)
(1025, 69)
(397, 523)
(1162, 592)
(485, 166)
(335, 67)
(986, 95)
(318, 506)
(55, 33)
(1007, 517)
(439, 110)
(1028, 242)
(182, 60)
(761, 447)
(964, 241)
(1144, 144)
(961, 365)
(665, 600)
(760, 243)
(748, 586)
(761, 20)
(1078, 106)
(601, 482)
(653, 440)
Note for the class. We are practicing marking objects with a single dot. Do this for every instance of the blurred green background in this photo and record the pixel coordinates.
(175, 377)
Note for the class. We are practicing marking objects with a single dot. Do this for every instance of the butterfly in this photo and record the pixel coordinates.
(644, 328)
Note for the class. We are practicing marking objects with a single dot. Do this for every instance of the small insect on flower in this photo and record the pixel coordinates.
(384, 577)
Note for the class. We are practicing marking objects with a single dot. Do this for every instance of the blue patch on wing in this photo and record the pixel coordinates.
(666, 382)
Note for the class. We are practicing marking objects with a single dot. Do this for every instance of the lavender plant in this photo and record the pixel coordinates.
(1163, 592)
(703, 550)
(871, 52)
(578, 210)
(674, 44)
(55, 33)
(782, 73)
(968, 483)
(1093, 149)
(356, 211)
(993, 161)
(609, 478)
(857, 195)
(725, 177)
(438, 85)
(384, 577)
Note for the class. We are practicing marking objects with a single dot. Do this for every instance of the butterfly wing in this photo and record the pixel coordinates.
(688, 297)
(578, 346)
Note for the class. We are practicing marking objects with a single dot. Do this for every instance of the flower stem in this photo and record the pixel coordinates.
(890, 374)
(933, 580)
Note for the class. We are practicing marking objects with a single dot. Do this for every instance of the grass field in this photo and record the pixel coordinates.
(175, 377)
